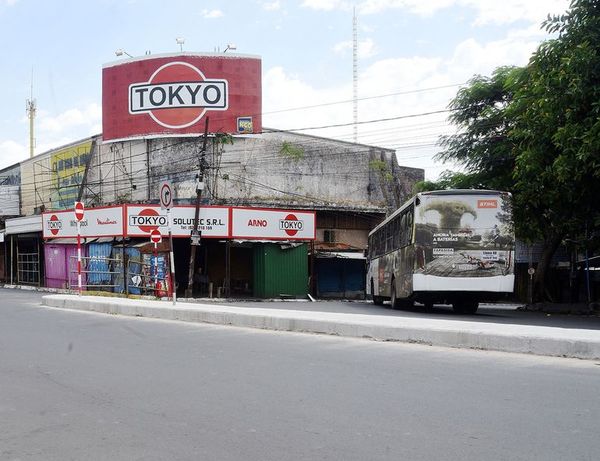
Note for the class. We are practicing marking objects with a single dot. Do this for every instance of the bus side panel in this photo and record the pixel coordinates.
(372, 276)
(386, 267)
(405, 261)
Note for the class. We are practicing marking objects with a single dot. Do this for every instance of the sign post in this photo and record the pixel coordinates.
(79, 212)
(166, 203)
(155, 238)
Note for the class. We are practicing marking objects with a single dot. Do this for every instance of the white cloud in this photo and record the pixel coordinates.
(74, 119)
(487, 11)
(366, 48)
(12, 152)
(272, 6)
(8, 2)
(414, 138)
(325, 5)
(212, 14)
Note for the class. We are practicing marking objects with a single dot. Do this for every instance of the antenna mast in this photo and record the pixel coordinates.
(31, 108)
(355, 74)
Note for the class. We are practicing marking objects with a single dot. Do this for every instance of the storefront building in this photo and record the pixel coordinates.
(156, 111)
(243, 252)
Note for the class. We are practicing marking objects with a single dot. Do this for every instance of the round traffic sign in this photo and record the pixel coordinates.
(155, 236)
(531, 271)
(166, 195)
(79, 211)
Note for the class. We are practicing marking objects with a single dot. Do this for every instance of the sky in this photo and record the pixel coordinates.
(413, 56)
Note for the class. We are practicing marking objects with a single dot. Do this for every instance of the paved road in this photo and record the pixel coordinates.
(491, 313)
(88, 386)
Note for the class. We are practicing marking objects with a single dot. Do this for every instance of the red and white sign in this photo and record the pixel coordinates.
(79, 211)
(166, 195)
(155, 236)
(98, 222)
(143, 219)
(214, 222)
(487, 203)
(169, 95)
(256, 223)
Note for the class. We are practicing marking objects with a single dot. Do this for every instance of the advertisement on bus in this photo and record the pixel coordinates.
(464, 235)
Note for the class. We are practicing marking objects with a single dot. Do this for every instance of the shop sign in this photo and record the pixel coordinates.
(171, 95)
(98, 222)
(143, 219)
(253, 223)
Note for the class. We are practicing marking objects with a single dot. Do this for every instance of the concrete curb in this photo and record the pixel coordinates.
(561, 342)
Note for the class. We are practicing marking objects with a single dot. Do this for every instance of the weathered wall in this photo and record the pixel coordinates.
(273, 169)
(118, 174)
(296, 170)
(52, 179)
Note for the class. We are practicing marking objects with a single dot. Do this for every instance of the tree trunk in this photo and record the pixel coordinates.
(551, 244)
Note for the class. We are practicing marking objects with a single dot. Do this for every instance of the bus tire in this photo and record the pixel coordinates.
(377, 300)
(465, 306)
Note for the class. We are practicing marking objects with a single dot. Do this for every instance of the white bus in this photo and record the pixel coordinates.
(452, 247)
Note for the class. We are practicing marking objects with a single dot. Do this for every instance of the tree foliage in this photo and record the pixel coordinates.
(535, 131)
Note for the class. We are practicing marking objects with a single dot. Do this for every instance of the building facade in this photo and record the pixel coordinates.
(158, 128)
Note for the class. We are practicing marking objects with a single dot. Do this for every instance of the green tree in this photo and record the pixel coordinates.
(535, 131)
(483, 145)
(557, 133)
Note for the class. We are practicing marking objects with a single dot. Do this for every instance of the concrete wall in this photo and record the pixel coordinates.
(118, 174)
(273, 169)
(307, 171)
(10, 187)
(52, 179)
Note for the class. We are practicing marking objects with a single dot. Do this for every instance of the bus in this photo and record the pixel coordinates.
(449, 247)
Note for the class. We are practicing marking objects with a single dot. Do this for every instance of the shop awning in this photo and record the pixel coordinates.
(24, 225)
(340, 254)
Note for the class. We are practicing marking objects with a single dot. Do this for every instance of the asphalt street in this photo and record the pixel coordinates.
(494, 313)
(77, 385)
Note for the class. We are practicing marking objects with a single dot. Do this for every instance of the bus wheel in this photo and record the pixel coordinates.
(465, 306)
(377, 300)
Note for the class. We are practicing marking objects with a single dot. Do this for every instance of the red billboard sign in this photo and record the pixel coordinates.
(170, 95)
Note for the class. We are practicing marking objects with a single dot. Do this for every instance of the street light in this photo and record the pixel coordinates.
(121, 52)
(180, 41)
(230, 46)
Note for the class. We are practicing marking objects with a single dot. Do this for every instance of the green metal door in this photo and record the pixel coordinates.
(280, 270)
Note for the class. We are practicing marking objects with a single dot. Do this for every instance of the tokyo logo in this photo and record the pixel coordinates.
(291, 225)
(177, 95)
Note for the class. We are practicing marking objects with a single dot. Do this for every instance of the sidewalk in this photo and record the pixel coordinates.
(562, 342)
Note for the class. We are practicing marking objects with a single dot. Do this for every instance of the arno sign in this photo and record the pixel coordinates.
(213, 222)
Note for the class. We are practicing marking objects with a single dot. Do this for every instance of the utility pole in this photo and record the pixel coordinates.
(195, 235)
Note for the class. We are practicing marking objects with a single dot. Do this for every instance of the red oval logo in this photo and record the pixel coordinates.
(178, 95)
(54, 224)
